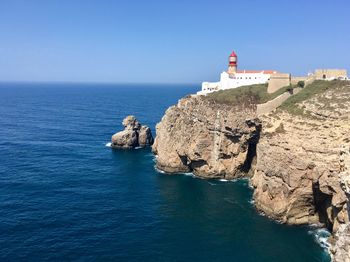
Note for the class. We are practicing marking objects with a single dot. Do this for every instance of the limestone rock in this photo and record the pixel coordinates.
(212, 140)
(301, 172)
(341, 250)
(133, 135)
(299, 164)
(145, 136)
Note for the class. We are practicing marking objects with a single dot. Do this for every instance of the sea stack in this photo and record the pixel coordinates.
(134, 135)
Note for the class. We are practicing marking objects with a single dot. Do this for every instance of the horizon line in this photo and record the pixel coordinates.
(94, 82)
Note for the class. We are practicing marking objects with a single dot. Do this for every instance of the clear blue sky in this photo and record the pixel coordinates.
(179, 41)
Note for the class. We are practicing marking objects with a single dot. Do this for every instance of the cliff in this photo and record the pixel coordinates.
(297, 157)
(303, 162)
(210, 139)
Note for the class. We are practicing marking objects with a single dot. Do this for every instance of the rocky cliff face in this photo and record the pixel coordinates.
(298, 173)
(301, 174)
(212, 140)
(340, 249)
(303, 162)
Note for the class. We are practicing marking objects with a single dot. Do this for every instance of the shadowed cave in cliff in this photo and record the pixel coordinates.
(250, 158)
(322, 202)
(251, 153)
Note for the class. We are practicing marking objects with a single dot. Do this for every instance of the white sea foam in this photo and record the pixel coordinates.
(262, 214)
(109, 144)
(158, 170)
(228, 180)
(188, 174)
(252, 201)
(321, 236)
(212, 184)
(138, 147)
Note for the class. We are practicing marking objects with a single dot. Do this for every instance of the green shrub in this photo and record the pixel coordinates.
(290, 89)
(301, 84)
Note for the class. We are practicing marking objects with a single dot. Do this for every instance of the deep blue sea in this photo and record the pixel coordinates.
(65, 196)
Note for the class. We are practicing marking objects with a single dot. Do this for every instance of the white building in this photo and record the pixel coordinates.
(234, 78)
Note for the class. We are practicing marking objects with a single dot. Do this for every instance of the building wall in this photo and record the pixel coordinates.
(296, 79)
(242, 79)
(208, 87)
(236, 80)
(330, 74)
(278, 81)
(307, 79)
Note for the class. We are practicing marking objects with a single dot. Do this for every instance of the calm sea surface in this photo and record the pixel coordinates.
(65, 196)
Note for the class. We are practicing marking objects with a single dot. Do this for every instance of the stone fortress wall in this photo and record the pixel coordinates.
(271, 105)
(280, 80)
(330, 74)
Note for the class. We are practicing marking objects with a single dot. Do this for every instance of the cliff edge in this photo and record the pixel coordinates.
(303, 162)
(210, 139)
(297, 157)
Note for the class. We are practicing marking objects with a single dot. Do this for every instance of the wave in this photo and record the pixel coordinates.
(109, 144)
(228, 180)
(185, 174)
(158, 170)
(188, 174)
(321, 236)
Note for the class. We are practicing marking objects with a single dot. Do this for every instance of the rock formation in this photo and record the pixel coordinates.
(133, 135)
(299, 162)
(303, 163)
(297, 176)
(212, 140)
(340, 250)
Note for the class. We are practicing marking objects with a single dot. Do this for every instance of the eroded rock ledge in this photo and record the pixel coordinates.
(298, 164)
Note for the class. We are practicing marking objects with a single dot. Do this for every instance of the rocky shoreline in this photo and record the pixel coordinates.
(297, 164)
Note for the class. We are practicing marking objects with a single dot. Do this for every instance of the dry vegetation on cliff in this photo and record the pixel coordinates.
(245, 95)
(296, 103)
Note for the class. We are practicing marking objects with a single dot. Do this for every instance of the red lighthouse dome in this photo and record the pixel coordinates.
(233, 54)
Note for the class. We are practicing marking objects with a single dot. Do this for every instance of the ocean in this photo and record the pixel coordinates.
(65, 196)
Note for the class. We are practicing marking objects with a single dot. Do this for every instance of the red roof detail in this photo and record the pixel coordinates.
(233, 54)
(256, 71)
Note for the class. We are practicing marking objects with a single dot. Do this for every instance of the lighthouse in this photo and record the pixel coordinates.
(232, 63)
(233, 78)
